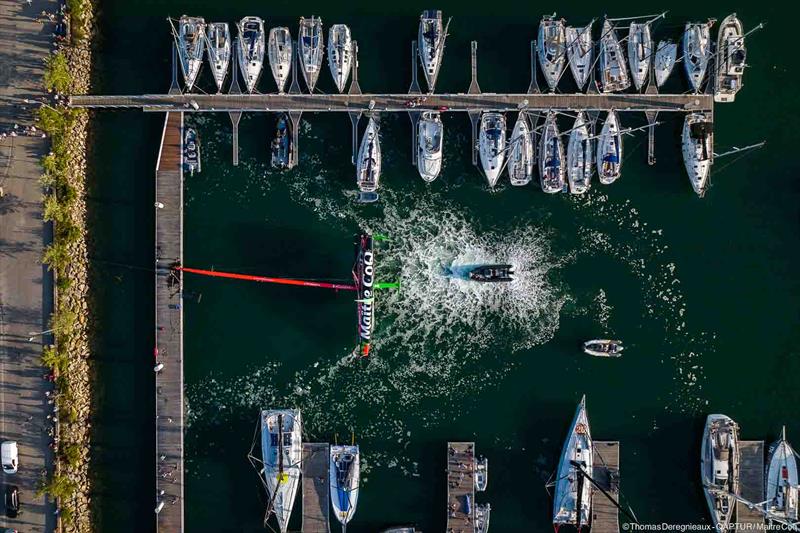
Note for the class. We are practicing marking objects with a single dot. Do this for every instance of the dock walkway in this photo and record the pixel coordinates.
(460, 487)
(751, 481)
(605, 472)
(169, 328)
(316, 461)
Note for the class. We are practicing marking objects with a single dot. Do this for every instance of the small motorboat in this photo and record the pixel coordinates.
(613, 71)
(640, 52)
(580, 53)
(552, 174)
(191, 151)
(311, 48)
(782, 482)
(481, 474)
(281, 451)
(603, 348)
(719, 468)
(340, 54)
(576, 458)
(368, 165)
(279, 49)
(281, 146)
(580, 158)
(697, 52)
(400, 529)
(251, 50)
(609, 150)
(521, 155)
(344, 481)
(430, 40)
(218, 44)
(552, 49)
(430, 139)
(492, 273)
(190, 39)
(731, 57)
(697, 142)
(482, 513)
(492, 145)
(666, 55)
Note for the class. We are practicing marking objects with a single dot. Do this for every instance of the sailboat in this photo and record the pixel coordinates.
(218, 44)
(552, 44)
(666, 55)
(344, 479)
(279, 49)
(251, 50)
(311, 47)
(613, 71)
(430, 136)
(580, 159)
(281, 450)
(730, 59)
(492, 145)
(640, 52)
(572, 500)
(697, 52)
(340, 54)
(430, 41)
(521, 156)
(719, 468)
(368, 165)
(190, 39)
(609, 150)
(580, 53)
(782, 487)
(551, 157)
(697, 141)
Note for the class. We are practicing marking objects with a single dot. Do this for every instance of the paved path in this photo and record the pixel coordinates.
(25, 286)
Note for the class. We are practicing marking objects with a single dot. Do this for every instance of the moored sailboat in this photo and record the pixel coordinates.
(782, 483)
(430, 139)
(281, 449)
(719, 468)
(580, 53)
(492, 145)
(340, 54)
(521, 156)
(572, 500)
(640, 52)
(345, 467)
(368, 165)
(430, 45)
(666, 56)
(580, 160)
(697, 143)
(251, 50)
(552, 49)
(613, 73)
(609, 150)
(697, 52)
(730, 59)
(311, 48)
(279, 49)
(552, 174)
(218, 44)
(190, 39)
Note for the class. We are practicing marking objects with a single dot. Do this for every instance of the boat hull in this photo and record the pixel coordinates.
(491, 145)
(368, 167)
(697, 145)
(580, 53)
(521, 156)
(609, 150)
(340, 54)
(552, 49)
(730, 59)
(720, 496)
(640, 52)
(430, 140)
(552, 174)
(430, 45)
(190, 41)
(580, 160)
(311, 48)
(578, 448)
(344, 475)
(696, 53)
(666, 55)
(613, 72)
(281, 449)
(251, 50)
(280, 56)
(218, 44)
(781, 481)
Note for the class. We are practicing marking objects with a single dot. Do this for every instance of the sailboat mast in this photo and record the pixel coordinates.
(280, 447)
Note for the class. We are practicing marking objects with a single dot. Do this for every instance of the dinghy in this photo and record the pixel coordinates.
(521, 155)
(609, 150)
(481, 474)
(552, 49)
(430, 136)
(492, 273)
(310, 48)
(340, 54)
(551, 157)
(492, 145)
(603, 348)
(666, 55)
(730, 59)
(580, 53)
(344, 479)
(580, 160)
(640, 52)
(251, 50)
(218, 44)
(782, 482)
(280, 56)
(430, 41)
(190, 38)
(191, 151)
(572, 501)
(719, 468)
(282, 143)
(697, 52)
(281, 450)
(613, 73)
(697, 141)
(368, 165)
(482, 513)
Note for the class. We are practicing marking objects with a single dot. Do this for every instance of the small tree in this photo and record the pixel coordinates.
(56, 256)
(56, 73)
(54, 359)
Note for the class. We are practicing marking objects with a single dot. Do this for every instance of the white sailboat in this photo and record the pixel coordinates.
(697, 52)
(666, 56)
(580, 53)
(430, 45)
(719, 468)
(368, 165)
(190, 39)
(521, 155)
(430, 140)
(552, 48)
(492, 145)
(251, 50)
(552, 174)
(218, 44)
(344, 472)
(613, 71)
(311, 48)
(340, 54)
(697, 142)
(730, 59)
(279, 49)
(782, 483)
(281, 449)
(609, 150)
(640, 52)
(580, 159)
(572, 501)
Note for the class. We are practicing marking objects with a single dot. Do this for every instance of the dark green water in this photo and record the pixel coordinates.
(704, 292)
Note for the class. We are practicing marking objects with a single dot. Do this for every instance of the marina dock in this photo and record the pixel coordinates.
(751, 482)
(316, 494)
(605, 472)
(168, 351)
(460, 487)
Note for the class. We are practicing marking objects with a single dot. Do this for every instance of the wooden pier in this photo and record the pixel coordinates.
(751, 482)
(460, 487)
(605, 472)
(316, 493)
(168, 351)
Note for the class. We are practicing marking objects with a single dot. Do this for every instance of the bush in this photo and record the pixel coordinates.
(62, 322)
(53, 121)
(56, 256)
(54, 359)
(59, 486)
(56, 73)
